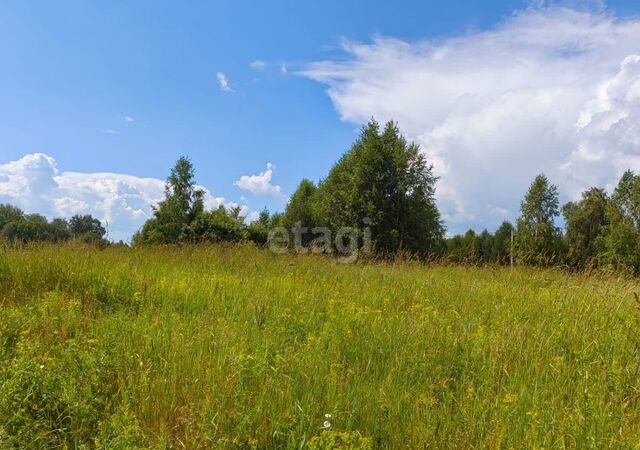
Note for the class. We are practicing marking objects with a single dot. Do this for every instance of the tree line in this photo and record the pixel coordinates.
(383, 185)
(181, 217)
(18, 227)
(601, 230)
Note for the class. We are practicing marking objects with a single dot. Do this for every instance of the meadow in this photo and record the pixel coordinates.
(236, 347)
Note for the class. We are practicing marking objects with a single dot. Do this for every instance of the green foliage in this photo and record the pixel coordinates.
(9, 214)
(86, 225)
(382, 184)
(36, 228)
(388, 181)
(258, 231)
(584, 222)
(181, 218)
(599, 231)
(463, 249)
(56, 382)
(217, 225)
(540, 203)
(121, 431)
(330, 440)
(620, 241)
(183, 204)
(302, 206)
(472, 248)
(485, 247)
(16, 227)
(538, 240)
(302, 211)
(501, 253)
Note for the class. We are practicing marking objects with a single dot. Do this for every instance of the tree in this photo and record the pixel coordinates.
(484, 247)
(502, 243)
(470, 244)
(301, 210)
(217, 226)
(538, 240)
(173, 216)
(619, 245)
(86, 225)
(9, 213)
(386, 183)
(258, 230)
(584, 224)
(36, 228)
(456, 249)
(17, 227)
(540, 203)
(464, 248)
(58, 230)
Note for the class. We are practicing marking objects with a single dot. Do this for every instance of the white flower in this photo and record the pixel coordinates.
(328, 416)
(326, 424)
(42, 366)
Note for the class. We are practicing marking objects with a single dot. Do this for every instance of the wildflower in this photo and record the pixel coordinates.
(327, 416)
(326, 424)
(42, 366)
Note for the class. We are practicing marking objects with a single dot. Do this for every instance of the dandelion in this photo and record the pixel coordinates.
(326, 424)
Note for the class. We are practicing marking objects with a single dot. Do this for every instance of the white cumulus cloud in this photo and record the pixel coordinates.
(550, 89)
(123, 202)
(223, 82)
(261, 184)
(608, 132)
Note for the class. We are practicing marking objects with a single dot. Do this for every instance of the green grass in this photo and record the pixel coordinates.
(236, 347)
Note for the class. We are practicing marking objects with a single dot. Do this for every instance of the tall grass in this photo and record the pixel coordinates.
(230, 346)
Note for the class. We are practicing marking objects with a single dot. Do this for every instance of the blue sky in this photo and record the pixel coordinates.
(127, 87)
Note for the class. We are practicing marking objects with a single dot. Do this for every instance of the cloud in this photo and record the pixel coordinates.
(608, 132)
(258, 65)
(123, 202)
(223, 82)
(261, 184)
(128, 119)
(109, 131)
(252, 216)
(550, 89)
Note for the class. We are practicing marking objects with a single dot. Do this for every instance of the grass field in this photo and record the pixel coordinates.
(236, 347)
